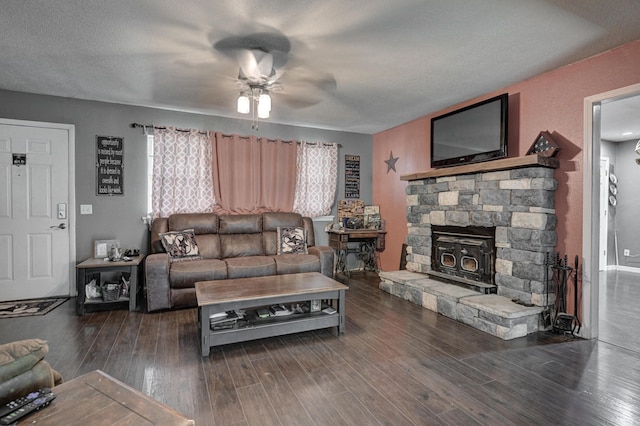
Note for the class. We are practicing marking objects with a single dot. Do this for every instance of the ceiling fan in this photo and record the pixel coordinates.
(265, 68)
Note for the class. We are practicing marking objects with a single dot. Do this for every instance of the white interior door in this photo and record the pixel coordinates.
(35, 255)
(604, 212)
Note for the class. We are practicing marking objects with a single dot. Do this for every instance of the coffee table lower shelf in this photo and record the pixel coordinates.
(277, 328)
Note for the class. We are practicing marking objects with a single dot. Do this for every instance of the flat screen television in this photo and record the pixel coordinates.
(471, 134)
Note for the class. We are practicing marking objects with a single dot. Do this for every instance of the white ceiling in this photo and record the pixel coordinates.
(391, 61)
(620, 119)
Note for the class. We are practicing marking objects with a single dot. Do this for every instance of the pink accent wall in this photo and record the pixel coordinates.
(553, 101)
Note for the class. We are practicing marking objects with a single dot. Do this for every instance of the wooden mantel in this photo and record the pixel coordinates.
(489, 166)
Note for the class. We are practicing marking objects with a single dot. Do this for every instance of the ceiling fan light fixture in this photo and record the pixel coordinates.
(244, 104)
(264, 101)
(263, 112)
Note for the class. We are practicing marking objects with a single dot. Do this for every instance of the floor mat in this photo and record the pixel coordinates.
(27, 308)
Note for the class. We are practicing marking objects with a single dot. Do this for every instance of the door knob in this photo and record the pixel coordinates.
(61, 226)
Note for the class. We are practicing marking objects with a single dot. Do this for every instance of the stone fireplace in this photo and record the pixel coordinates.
(518, 203)
(487, 227)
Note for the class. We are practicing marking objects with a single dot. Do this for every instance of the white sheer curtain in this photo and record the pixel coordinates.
(317, 178)
(182, 172)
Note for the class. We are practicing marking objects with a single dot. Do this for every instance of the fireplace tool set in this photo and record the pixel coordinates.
(558, 272)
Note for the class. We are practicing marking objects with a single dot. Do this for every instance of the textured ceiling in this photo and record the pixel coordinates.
(388, 62)
(620, 119)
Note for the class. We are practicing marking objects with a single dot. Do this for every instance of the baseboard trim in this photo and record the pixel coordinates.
(627, 269)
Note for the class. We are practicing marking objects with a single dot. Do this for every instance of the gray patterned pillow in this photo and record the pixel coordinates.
(181, 245)
(292, 240)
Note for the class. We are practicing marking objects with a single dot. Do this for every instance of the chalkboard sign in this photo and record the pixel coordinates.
(109, 166)
(351, 176)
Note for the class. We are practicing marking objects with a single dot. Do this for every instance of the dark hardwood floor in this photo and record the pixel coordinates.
(619, 309)
(397, 364)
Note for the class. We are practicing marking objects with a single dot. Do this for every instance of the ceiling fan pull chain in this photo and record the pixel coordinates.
(254, 116)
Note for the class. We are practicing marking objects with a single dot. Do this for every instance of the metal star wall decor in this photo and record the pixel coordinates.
(391, 162)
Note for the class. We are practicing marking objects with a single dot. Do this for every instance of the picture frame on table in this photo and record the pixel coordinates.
(315, 305)
(372, 217)
(102, 248)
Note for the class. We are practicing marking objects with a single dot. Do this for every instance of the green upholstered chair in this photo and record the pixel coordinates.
(24, 370)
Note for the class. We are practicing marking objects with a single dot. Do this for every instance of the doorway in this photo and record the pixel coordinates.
(604, 299)
(37, 204)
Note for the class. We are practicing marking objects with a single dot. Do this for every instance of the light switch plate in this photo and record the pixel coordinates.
(62, 210)
(86, 209)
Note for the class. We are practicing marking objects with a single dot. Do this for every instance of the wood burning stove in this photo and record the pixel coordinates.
(464, 254)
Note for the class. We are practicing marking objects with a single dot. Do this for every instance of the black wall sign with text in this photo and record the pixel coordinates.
(19, 159)
(109, 165)
(351, 176)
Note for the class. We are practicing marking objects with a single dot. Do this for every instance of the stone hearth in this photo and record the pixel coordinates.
(493, 314)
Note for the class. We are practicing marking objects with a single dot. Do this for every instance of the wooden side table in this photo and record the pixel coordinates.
(92, 268)
(98, 399)
(370, 242)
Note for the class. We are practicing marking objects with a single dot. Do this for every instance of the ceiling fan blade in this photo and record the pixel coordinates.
(265, 41)
(301, 78)
(280, 58)
(297, 101)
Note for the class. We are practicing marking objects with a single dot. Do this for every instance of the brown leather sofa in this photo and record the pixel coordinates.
(231, 246)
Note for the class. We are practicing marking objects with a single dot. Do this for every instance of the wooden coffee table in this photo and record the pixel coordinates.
(98, 399)
(247, 293)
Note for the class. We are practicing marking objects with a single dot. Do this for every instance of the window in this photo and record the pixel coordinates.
(316, 178)
(149, 172)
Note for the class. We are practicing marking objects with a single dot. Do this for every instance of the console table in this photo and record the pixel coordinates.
(370, 242)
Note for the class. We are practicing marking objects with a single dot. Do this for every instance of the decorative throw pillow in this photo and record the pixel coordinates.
(292, 240)
(181, 245)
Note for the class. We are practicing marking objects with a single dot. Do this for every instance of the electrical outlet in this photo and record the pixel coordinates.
(86, 209)
(627, 252)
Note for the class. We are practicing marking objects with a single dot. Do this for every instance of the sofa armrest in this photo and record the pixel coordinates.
(157, 281)
(325, 253)
(39, 376)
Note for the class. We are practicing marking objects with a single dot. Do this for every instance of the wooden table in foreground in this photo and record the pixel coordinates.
(98, 399)
(247, 293)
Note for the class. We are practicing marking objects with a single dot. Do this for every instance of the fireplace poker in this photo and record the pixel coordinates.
(564, 322)
(546, 313)
(578, 324)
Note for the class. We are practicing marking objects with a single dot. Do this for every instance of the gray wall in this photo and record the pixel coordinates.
(627, 215)
(118, 217)
(608, 149)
